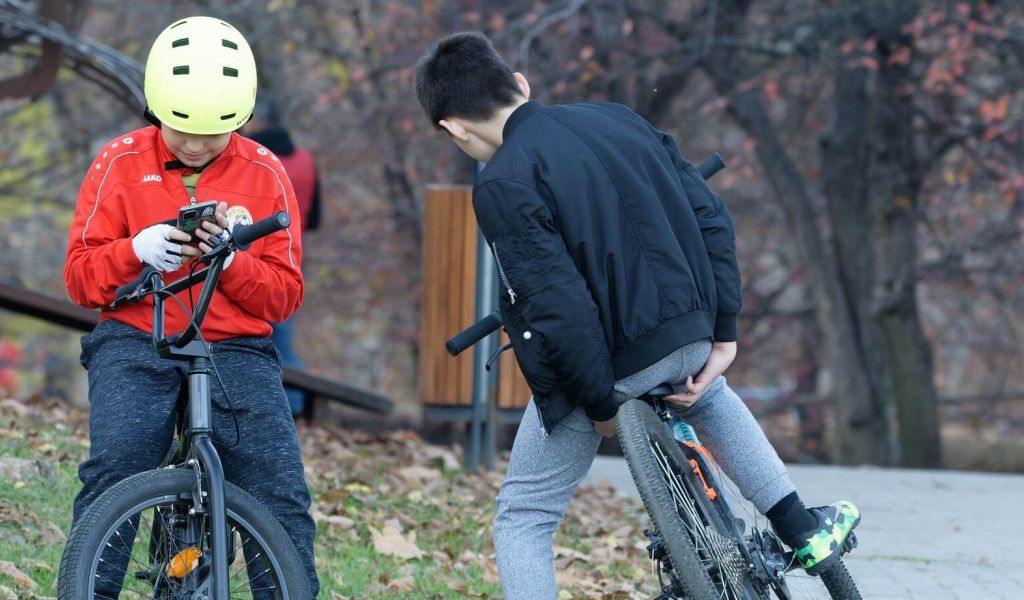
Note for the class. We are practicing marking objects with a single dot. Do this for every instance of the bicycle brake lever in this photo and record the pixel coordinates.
(495, 354)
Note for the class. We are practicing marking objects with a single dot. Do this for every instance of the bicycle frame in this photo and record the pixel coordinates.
(769, 561)
(198, 435)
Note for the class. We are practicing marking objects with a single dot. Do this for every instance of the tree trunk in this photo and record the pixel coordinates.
(860, 421)
(895, 182)
(845, 163)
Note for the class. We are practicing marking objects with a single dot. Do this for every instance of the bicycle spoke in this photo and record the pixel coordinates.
(718, 565)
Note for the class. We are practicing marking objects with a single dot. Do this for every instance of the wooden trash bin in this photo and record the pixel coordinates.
(448, 305)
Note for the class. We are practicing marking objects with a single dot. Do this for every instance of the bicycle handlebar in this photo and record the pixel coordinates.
(150, 280)
(474, 333)
(134, 290)
(711, 165)
(247, 234)
(492, 322)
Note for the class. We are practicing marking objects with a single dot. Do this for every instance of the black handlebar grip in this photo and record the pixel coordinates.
(474, 333)
(247, 234)
(711, 165)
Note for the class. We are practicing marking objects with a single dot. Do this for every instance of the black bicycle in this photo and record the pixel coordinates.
(181, 532)
(702, 549)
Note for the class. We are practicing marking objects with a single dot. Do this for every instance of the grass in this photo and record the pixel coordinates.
(359, 483)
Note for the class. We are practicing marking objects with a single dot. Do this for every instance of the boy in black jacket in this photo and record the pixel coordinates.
(619, 270)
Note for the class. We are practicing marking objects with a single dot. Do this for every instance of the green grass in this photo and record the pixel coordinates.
(31, 510)
(373, 481)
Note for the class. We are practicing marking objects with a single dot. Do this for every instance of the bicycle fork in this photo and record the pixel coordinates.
(201, 427)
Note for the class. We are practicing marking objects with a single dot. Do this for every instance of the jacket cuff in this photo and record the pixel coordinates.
(725, 328)
(604, 409)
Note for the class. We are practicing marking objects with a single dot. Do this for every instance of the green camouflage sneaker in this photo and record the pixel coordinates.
(835, 524)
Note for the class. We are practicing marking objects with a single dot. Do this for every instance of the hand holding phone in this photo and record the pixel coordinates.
(192, 217)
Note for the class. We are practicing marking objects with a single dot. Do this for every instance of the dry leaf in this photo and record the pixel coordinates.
(390, 542)
(51, 534)
(20, 579)
(340, 522)
(403, 584)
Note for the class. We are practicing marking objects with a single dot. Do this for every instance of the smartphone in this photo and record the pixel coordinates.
(192, 217)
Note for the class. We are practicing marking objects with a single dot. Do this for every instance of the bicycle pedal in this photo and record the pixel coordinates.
(850, 543)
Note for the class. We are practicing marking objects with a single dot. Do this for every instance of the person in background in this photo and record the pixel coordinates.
(266, 128)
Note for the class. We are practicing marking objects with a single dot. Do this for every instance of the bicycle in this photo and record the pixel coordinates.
(701, 548)
(175, 533)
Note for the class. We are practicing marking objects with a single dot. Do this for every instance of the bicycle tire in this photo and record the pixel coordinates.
(634, 422)
(114, 505)
(839, 583)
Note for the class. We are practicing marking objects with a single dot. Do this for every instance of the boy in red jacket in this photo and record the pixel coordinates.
(200, 87)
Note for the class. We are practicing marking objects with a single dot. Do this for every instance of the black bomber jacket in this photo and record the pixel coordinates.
(611, 249)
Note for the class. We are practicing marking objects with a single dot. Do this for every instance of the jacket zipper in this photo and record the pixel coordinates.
(501, 273)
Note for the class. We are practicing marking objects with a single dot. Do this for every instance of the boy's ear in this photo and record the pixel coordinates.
(524, 85)
(454, 128)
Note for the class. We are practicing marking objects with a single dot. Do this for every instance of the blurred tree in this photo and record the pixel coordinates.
(875, 172)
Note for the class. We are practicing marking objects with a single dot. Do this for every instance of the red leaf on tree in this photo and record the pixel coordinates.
(900, 57)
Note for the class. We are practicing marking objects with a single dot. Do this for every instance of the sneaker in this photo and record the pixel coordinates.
(825, 543)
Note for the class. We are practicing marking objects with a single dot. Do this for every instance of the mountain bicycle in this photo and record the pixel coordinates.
(181, 532)
(701, 548)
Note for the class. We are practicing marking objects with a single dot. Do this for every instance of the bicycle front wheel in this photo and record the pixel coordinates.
(704, 560)
(142, 538)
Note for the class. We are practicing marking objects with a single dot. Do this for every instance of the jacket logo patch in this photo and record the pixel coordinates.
(151, 177)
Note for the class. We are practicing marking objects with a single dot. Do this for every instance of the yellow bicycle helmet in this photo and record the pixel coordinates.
(201, 77)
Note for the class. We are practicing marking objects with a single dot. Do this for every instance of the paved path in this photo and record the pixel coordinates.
(924, 534)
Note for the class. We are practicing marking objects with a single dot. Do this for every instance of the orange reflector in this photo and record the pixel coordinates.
(183, 563)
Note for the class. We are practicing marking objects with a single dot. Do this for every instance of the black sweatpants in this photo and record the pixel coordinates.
(132, 398)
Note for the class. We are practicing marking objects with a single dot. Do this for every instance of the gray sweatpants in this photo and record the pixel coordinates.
(544, 471)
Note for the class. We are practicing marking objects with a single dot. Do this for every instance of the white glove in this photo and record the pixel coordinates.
(153, 247)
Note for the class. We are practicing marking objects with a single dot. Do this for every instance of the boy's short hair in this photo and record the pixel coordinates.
(463, 76)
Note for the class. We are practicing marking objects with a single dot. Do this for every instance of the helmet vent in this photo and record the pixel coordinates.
(226, 117)
(182, 70)
(179, 114)
(229, 44)
(179, 43)
(230, 72)
(178, 24)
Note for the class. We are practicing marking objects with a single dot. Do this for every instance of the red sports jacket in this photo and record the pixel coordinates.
(129, 187)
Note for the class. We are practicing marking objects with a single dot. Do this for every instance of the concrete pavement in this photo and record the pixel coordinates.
(923, 534)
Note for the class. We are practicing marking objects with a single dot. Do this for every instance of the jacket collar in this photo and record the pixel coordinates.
(169, 162)
(519, 115)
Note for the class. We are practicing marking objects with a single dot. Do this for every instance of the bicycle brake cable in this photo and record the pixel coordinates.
(216, 372)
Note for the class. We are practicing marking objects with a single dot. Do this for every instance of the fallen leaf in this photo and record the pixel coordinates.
(390, 542)
(403, 584)
(51, 534)
(340, 522)
(20, 579)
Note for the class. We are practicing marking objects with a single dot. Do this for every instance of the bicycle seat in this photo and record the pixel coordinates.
(660, 391)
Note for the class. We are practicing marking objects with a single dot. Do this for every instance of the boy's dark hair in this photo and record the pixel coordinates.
(463, 76)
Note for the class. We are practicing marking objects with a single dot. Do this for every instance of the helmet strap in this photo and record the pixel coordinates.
(149, 116)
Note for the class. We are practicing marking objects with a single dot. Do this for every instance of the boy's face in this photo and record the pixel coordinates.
(192, 149)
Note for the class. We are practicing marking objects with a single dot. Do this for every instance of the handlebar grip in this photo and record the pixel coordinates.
(124, 294)
(473, 334)
(711, 165)
(247, 234)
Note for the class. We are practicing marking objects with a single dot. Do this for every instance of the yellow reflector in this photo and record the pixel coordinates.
(183, 563)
